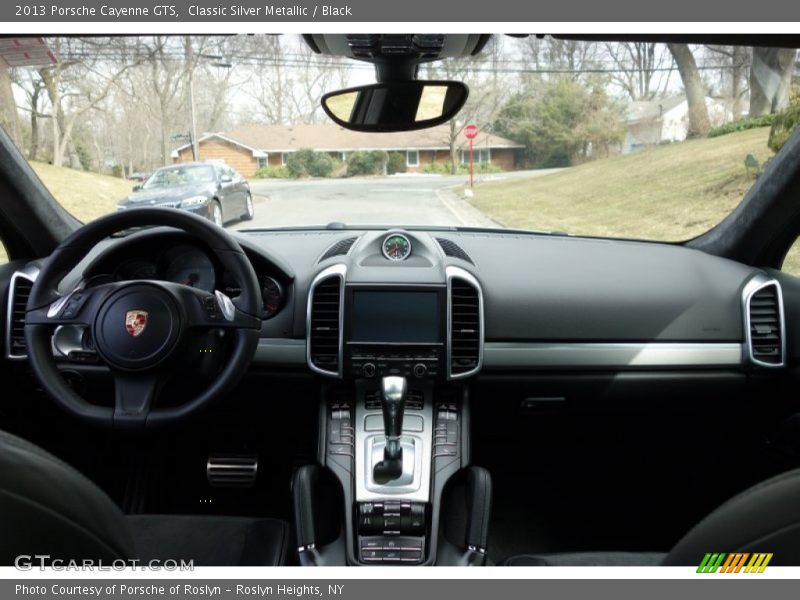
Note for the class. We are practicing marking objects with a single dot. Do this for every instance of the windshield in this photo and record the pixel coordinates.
(619, 139)
(177, 176)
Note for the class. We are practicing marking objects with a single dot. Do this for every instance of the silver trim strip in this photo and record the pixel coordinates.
(30, 273)
(280, 352)
(498, 355)
(56, 306)
(67, 339)
(757, 283)
(612, 355)
(459, 273)
(340, 271)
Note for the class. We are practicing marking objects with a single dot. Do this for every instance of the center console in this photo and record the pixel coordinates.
(394, 419)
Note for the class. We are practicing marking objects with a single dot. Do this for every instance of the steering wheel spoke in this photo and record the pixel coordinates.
(74, 308)
(134, 396)
(213, 310)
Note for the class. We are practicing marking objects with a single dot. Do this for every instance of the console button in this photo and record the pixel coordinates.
(391, 523)
(391, 545)
(368, 369)
(420, 370)
(418, 516)
(411, 555)
(372, 555)
(341, 450)
(391, 555)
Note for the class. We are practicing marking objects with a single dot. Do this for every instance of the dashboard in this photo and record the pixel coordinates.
(463, 302)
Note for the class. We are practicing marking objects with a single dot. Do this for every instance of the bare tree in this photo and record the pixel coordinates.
(289, 80)
(770, 79)
(558, 57)
(9, 119)
(637, 68)
(77, 83)
(694, 87)
(734, 62)
(165, 79)
(216, 81)
(487, 92)
(32, 86)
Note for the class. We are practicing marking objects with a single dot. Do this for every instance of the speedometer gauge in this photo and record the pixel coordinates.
(396, 246)
(189, 266)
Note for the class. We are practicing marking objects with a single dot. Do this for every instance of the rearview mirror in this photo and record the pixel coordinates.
(396, 106)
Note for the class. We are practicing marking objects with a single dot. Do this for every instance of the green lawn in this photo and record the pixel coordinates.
(671, 192)
(85, 195)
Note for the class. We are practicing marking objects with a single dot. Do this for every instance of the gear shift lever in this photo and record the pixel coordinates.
(393, 405)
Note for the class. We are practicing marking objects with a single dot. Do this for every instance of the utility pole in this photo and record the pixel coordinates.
(190, 67)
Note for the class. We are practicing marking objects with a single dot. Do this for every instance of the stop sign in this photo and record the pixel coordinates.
(471, 131)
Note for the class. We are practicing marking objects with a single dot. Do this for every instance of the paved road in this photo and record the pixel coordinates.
(398, 200)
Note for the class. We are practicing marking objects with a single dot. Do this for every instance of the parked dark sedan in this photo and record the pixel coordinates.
(211, 190)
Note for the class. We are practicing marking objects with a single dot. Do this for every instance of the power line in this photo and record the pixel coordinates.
(243, 60)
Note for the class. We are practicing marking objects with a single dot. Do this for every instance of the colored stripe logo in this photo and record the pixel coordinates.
(737, 562)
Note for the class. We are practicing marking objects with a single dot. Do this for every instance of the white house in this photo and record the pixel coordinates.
(651, 122)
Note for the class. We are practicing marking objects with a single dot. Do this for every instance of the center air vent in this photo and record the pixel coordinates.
(765, 329)
(19, 290)
(465, 322)
(339, 248)
(324, 322)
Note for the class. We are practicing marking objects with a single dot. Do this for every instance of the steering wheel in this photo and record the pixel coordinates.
(140, 327)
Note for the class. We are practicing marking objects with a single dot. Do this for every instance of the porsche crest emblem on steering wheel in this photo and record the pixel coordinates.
(135, 322)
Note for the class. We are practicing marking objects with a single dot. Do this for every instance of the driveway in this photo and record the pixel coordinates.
(394, 201)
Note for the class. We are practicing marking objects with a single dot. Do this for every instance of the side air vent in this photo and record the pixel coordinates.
(324, 322)
(19, 290)
(765, 329)
(339, 248)
(453, 250)
(465, 322)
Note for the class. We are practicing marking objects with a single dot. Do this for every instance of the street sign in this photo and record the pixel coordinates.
(471, 132)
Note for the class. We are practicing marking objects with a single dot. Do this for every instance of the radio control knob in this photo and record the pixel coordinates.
(420, 370)
(368, 370)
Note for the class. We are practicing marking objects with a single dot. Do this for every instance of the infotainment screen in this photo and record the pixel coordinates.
(409, 317)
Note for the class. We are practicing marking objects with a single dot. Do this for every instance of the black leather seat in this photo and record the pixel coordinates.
(764, 518)
(49, 508)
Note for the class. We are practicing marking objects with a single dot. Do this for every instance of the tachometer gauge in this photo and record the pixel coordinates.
(396, 246)
(136, 269)
(272, 295)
